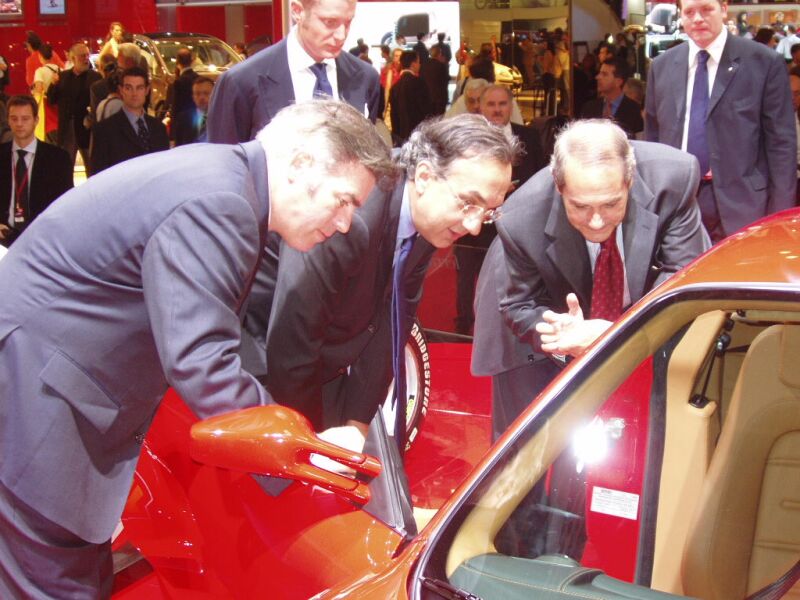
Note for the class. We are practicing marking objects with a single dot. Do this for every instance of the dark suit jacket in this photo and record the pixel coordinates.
(410, 105)
(332, 310)
(129, 285)
(542, 257)
(628, 115)
(436, 76)
(72, 107)
(50, 176)
(750, 126)
(187, 127)
(180, 92)
(115, 140)
(250, 94)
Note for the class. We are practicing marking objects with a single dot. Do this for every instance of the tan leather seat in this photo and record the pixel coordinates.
(745, 532)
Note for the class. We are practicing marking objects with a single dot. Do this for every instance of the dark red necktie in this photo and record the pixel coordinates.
(609, 281)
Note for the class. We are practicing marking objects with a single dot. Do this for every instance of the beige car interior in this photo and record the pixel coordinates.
(728, 518)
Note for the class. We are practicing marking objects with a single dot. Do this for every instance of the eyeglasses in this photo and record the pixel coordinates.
(473, 212)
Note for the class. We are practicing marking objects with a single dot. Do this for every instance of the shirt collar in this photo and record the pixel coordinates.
(30, 148)
(507, 129)
(714, 49)
(133, 118)
(615, 103)
(405, 227)
(297, 57)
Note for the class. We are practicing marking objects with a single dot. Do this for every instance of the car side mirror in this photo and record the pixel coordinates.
(278, 441)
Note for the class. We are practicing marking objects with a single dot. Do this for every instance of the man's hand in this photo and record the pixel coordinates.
(346, 436)
(569, 333)
(4, 231)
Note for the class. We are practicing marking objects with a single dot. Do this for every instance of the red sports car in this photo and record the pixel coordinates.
(663, 463)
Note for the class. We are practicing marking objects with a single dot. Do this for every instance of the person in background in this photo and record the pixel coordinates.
(307, 63)
(436, 77)
(130, 132)
(409, 99)
(47, 128)
(112, 103)
(190, 125)
(115, 36)
(5, 76)
(32, 44)
(743, 130)
(34, 173)
(70, 92)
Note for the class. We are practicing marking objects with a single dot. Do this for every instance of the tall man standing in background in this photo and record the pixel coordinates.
(308, 62)
(727, 101)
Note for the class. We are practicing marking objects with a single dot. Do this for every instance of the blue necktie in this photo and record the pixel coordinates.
(323, 86)
(399, 312)
(697, 142)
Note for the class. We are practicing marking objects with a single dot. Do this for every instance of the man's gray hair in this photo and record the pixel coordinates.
(590, 143)
(130, 51)
(475, 84)
(496, 86)
(329, 130)
(443, 141)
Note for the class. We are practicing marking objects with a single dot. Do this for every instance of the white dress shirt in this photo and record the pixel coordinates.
(714, 50)
(303, 78)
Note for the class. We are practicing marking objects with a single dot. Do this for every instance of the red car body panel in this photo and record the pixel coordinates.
(210, 532)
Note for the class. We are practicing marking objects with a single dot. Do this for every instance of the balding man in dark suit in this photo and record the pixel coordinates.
(613, 220)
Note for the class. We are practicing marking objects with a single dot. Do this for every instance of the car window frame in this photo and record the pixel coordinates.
(686, 304)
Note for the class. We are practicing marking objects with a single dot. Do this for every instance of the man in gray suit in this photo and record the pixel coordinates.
(635, 200)
(307, 63)
(328, 341)
(742, 131)
(133, 283)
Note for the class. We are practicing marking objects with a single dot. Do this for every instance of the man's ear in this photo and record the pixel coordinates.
(423, 175)
(296, 10)
(300, 162)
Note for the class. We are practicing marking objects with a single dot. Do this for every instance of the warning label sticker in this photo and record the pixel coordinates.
(614, 502)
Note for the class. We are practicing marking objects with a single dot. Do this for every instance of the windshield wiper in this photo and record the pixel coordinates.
(446, 590)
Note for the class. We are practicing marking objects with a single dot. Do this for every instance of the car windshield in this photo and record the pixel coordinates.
(667, 455)
(210, 54)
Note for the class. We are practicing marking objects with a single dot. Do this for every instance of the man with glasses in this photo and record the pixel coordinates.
(581, 241)
(130, 132)
(327, 349)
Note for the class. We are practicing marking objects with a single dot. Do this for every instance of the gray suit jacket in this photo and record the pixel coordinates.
(113, 294)
(331, 311)
(539, 257)
(248, 96)
(750, 127)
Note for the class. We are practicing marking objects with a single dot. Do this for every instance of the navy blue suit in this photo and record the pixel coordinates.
(248, 96)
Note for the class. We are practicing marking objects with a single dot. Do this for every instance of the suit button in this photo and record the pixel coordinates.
(530, 358)
(371, 328)
(139, 437)
(342, 370)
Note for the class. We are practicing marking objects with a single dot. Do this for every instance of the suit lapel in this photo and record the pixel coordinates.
(728, 67)
(680, 68)
(567, 251)
(5, 181)
(639, 229)
(275, 85)
(348, 80)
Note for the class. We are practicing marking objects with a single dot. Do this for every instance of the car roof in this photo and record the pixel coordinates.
(768, 251)
(176, 34)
